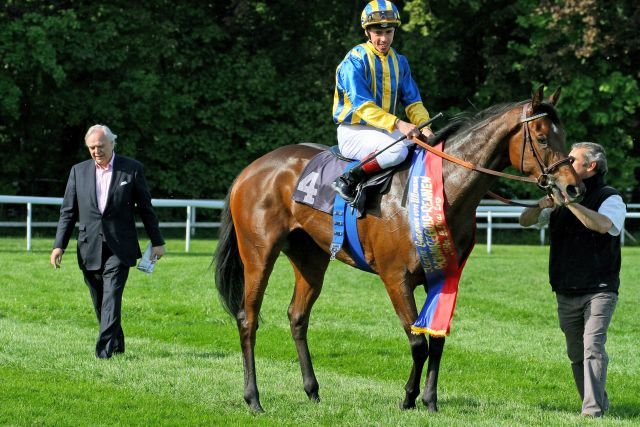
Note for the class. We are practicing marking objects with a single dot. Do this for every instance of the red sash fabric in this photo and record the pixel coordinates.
(434, 244)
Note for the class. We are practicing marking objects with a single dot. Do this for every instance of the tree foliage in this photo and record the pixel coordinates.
(197, 90)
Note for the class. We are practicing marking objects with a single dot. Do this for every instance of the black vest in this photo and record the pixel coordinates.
(583, 261)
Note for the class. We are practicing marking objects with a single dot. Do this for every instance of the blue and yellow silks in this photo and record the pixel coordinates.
(369, 87)
(434, 244)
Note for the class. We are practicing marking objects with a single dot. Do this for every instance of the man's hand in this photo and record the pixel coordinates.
(157, 252)
(428, 133)
(546, 202)
(530, 216)
(408, 129)
(56, 257)
(412, 131)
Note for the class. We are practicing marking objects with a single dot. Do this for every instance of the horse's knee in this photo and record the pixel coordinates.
(246, 328)
(436, 347)
(299, 324)
(419, 348)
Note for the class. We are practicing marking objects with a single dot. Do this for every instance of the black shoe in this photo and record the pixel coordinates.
(345, 187)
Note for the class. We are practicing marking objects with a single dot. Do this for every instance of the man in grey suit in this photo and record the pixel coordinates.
(101, 195)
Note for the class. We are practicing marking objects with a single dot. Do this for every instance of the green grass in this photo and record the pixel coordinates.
(504, 363)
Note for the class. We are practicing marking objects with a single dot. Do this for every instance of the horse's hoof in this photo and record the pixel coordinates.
(314, 397)
(431, 406)
(254, 405)
(407, 404)
(256, 408)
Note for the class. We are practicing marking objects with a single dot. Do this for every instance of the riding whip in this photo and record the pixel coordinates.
(374, 155)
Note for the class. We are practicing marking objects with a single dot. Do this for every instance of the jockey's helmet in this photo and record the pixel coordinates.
(379, 12)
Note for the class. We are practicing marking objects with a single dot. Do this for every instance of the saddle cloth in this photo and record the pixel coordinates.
(314, 185)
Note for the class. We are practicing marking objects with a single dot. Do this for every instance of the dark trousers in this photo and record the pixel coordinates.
(106, 287)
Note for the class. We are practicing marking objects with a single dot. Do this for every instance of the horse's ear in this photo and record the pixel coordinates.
(537, 97)
(553, 99)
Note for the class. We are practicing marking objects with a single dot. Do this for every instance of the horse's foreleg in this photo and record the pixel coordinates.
(419, 351)
(405, 306)
(430, 397)
(309, 263)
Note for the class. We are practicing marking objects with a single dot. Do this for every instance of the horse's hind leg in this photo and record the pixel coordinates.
(258, 256)
(430, 397)
(309, 263)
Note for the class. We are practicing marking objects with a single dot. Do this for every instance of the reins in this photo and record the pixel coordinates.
(402, 138)
(511, 202)
(543, 181)
(463, 163)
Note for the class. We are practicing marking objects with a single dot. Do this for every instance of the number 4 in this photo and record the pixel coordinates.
(307, 185)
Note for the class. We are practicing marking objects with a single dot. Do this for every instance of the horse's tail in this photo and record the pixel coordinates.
(229, 270)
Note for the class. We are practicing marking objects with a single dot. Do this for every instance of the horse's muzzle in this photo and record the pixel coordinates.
(575, 193)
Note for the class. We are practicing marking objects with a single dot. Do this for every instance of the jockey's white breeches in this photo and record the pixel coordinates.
(358, 141)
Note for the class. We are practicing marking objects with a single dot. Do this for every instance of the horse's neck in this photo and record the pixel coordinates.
(464, 188)
(486, 147)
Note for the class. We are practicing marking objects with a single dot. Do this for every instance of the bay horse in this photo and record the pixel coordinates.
(260, 220)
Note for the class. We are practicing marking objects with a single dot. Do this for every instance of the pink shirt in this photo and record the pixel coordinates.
(103, 181)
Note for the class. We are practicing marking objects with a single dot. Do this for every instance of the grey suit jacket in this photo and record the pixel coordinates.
(116, 225)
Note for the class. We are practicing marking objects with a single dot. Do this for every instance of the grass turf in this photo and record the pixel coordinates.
(504, 363)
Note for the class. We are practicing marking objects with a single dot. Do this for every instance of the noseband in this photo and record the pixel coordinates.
(544, 181)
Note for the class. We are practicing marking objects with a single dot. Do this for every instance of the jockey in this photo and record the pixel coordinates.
(370, 82)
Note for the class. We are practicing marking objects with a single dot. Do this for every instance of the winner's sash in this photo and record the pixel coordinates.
(434, 244)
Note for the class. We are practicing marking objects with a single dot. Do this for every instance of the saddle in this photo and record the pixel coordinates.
(314, 185)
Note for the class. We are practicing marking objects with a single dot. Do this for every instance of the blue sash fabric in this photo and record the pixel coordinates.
(345, 225)
(434, 244)
(430, 234)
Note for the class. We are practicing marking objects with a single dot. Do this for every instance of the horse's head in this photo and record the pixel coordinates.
(538, 149)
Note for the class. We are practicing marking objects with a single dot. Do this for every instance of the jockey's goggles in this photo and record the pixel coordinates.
(384, 18)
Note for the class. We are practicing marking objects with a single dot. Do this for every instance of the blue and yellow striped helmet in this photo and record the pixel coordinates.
(382, 13)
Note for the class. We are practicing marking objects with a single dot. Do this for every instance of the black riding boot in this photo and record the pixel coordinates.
(346, 184)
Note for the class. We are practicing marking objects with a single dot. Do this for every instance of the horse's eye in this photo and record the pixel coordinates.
(542, 139)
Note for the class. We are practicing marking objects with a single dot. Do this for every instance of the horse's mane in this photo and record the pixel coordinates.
(463, 123)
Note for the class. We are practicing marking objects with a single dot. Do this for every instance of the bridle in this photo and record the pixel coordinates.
(544, 180)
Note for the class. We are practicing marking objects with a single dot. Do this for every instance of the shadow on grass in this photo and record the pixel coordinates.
(164, 354)
(463, 405)
(624, 411)
(212, 354)
(564, 409)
